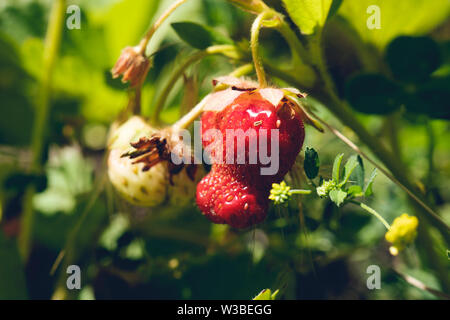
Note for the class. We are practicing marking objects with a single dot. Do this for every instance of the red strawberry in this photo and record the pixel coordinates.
(237, 194)
(251, 111)
(226, 195)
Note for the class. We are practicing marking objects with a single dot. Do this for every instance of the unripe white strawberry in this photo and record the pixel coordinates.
(143, 188)
(139, 182)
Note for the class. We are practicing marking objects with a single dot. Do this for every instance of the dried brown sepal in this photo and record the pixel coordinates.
(156, 149)
(132, 66)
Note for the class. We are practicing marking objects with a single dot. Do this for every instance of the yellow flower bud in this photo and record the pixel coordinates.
(402, 232)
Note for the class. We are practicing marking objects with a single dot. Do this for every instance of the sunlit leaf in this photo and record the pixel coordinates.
(401, 17)
(125, 23)
(308, 15)
(355, 190)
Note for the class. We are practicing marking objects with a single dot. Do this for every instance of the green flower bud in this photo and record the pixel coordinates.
(325, 188)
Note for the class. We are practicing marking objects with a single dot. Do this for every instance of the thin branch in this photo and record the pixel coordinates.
(420, 285)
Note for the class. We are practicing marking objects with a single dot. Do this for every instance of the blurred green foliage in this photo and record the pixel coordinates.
(396, 80)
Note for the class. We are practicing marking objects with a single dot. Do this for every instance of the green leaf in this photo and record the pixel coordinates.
(69, 175)
(308, 15)
(431, 98)
(368, 189)
(12, 275)
(337, 167)
(400, 17)
(349, 167)
(199, 36)
(355, 191)
(311, 164)
(338, 196)
(358, 174)
(23, 20)
(413, 58)
(109, 238)
(373, 94)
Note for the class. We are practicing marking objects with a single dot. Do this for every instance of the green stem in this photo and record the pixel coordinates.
(51, 47)
(430, 153)
(189, 117)
(237, 73)
(242, 70)
(420, 285)
(157, 24)
(297, 48)
(254, 44)
(373, 212)
(299, 191)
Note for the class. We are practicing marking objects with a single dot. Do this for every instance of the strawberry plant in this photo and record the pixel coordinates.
(164, 146)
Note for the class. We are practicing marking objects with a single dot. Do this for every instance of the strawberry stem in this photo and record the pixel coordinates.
(189, 117)
(242, 70)
(52, 43)
(254, 44)
(372, 212)
(157, 24)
